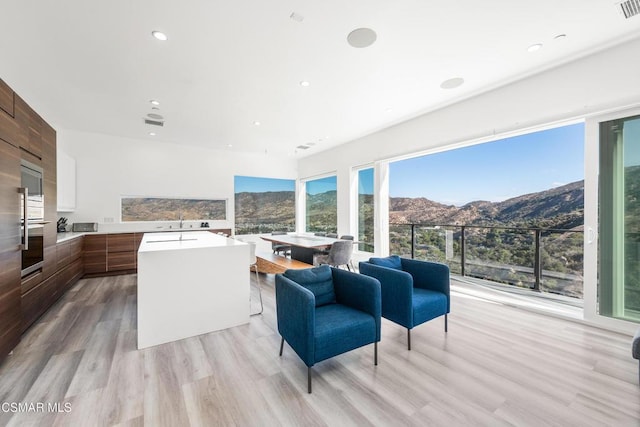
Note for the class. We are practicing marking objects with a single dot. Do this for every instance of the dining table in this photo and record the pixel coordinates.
(303, 246)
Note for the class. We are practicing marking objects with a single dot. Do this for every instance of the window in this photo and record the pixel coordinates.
(263, 205)
(172, 209)
(322, 205)
(365, 210)
(509, 211)
(619, 219)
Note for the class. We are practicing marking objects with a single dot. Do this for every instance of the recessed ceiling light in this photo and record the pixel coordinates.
(154, 102)
(560, 37)
(362, 37)
(256, 123)
(155, 116)
(160, 35)
(229, 145)
(534, 47)
(304, 83)
(452, 83)
(152, 134)
(389, 110)
(311, 144)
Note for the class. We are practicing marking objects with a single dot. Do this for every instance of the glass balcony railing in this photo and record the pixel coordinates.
(546, 260)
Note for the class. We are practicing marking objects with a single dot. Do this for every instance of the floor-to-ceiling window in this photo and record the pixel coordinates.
(365, 210)
(509, 210)
(619, 219)
(321, 205)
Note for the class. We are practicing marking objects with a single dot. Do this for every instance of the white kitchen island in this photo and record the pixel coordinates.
(190, 283)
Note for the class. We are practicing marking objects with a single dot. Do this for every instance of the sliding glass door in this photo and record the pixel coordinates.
(619, 219)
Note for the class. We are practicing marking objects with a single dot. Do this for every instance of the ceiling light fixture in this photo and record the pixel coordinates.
(160, 35)
(452, 83)
(534, 47)
(154, 102)
(304, 83)
(362, 37)
(560, 37)
(152, 134)
(256, 123)
(155, 116)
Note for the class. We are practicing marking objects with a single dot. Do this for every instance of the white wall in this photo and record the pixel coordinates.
(110, 166)
(593, 85)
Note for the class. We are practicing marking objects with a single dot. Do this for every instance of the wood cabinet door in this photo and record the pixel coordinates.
(10, 254)
(95, 254)
(6, 98)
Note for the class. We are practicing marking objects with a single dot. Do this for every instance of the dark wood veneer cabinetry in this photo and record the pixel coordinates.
(95, 254)
(68, 269)
(23, 135)
(10, 256)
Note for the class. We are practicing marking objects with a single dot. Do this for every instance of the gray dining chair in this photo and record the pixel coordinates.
(339, 254)
(279, 247)
(332, 235)
(320, 233)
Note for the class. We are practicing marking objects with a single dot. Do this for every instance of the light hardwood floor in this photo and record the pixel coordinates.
(497, 365)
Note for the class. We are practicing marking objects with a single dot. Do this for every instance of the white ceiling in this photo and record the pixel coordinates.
(94, 66)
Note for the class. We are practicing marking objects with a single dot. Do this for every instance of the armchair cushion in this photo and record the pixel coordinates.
(318, 280)
(428, 305)
(392, 261)
(340, 329)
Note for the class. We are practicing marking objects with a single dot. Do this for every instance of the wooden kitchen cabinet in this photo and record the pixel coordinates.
(121, 252)
(6, 98)
(10, 254)
(32, 123)
(95, 254)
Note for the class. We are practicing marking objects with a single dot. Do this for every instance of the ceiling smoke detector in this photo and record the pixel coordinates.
(629, 8)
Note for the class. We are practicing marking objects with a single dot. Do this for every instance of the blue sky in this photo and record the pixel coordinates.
(322, 185)
(365, 181)
(493, 171)
(253, 184)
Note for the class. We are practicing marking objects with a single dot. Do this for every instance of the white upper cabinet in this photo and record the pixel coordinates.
(66, 182)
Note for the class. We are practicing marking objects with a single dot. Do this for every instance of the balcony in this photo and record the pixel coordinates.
(524, 262)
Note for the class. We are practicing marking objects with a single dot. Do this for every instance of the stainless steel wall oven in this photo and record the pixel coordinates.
(32, 217)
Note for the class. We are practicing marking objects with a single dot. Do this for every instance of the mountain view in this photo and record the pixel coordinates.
(499, 243)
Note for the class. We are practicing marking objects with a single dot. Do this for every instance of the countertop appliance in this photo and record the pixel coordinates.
(32, 217)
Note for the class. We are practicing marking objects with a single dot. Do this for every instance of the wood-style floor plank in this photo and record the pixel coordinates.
(497, 366)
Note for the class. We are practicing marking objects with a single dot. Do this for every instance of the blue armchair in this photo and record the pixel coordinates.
(323, 312)
(413, 291)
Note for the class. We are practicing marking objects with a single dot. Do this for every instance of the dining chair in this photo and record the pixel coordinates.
(332, 235)
(320, 233)
(279, 247)
(339, 254)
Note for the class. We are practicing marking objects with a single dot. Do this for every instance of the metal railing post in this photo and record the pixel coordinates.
(462, 252)
(413, 241)
(537, 267)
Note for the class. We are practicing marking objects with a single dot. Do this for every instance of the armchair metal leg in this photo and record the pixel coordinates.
(308, 380)
(409, 339)
(375, 353)
(281, 345)
(445, 323)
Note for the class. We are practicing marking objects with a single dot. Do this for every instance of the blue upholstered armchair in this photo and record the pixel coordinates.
(323, 312)
(413, 291)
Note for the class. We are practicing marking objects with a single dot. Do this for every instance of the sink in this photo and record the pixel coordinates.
(169, 240)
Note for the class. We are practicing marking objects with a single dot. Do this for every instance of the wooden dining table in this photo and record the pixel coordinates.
(302, 246)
